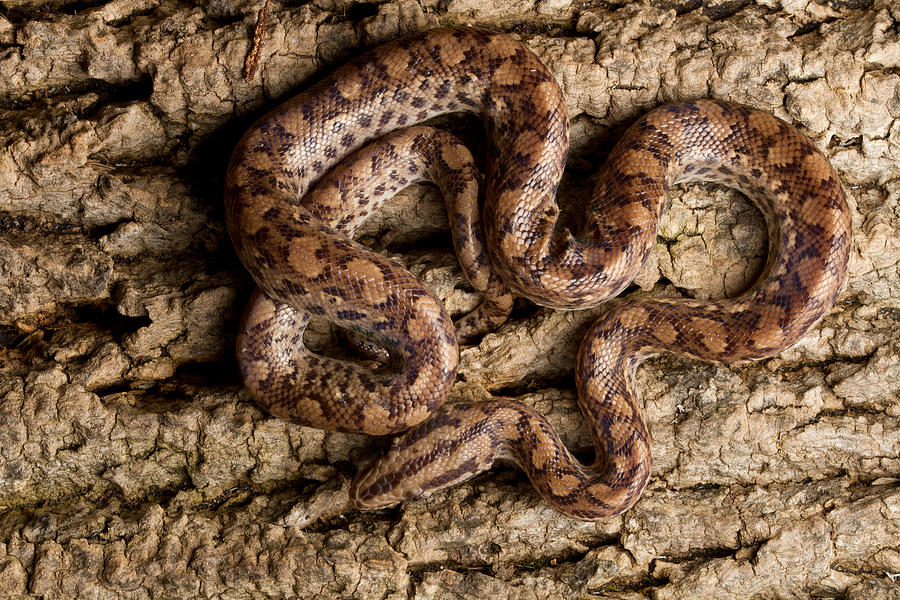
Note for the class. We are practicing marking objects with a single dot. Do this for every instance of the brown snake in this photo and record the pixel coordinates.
(291, 214)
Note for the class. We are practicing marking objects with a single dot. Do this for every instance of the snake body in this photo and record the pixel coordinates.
(291, 213)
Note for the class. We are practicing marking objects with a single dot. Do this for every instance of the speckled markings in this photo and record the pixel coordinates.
(291, 215)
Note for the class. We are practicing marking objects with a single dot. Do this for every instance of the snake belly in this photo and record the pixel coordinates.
(296, 244)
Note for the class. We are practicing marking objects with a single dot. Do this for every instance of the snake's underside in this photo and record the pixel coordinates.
(305, 175)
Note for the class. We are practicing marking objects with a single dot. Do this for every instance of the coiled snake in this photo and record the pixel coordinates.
(291, 216)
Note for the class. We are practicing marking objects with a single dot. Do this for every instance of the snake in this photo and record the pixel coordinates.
(305, 175)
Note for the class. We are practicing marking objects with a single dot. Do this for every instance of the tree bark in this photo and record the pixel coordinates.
(133, 465)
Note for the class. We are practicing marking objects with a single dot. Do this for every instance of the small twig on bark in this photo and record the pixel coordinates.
(251, 63)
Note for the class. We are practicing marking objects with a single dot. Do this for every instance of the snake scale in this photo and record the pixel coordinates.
(304, 176)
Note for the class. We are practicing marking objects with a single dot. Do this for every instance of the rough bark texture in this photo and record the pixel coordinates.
(132, 465)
